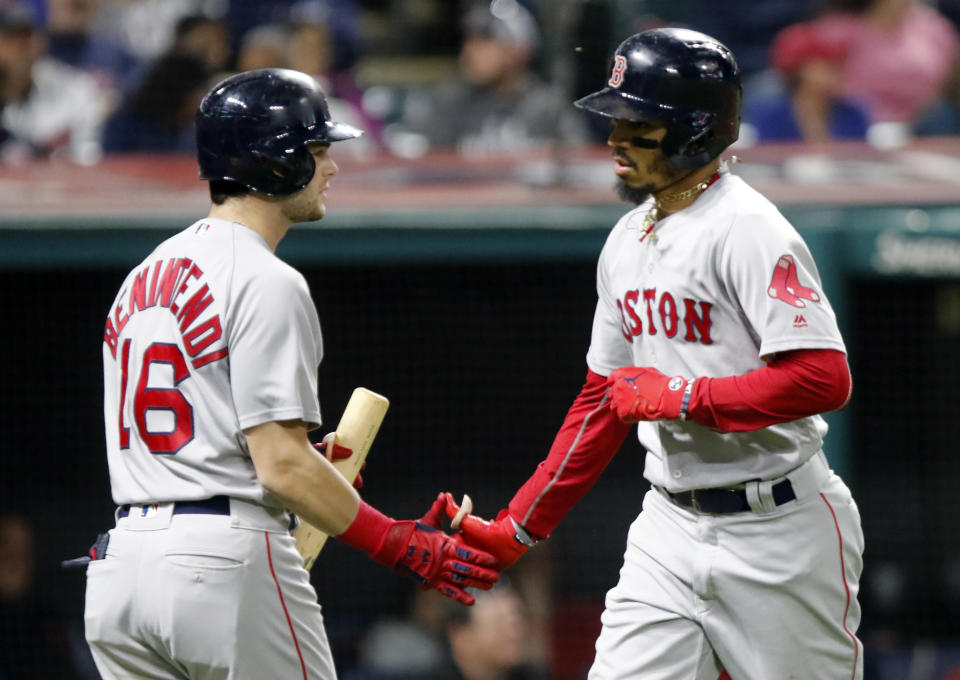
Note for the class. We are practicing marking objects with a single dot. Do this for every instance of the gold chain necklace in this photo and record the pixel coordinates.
(655, 213)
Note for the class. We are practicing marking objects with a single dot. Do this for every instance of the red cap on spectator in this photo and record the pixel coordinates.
(796, 45)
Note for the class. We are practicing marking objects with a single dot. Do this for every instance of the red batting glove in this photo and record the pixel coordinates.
(644, 393)
(434, 516)
(420, 551)
(497, 537)
(340, 453)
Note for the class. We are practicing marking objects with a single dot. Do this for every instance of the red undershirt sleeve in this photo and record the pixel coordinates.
(797, 384)
(588, 439)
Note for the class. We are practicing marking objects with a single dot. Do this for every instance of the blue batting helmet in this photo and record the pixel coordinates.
(253, 129)
(684, 78)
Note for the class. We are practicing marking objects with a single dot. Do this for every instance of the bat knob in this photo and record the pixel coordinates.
(466, 507)
(329, 439)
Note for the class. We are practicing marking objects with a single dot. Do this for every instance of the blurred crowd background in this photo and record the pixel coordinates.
(86, 80)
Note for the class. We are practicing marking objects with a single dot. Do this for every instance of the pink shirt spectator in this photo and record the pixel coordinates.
(894, 73)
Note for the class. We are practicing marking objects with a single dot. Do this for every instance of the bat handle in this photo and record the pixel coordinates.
(466, 507)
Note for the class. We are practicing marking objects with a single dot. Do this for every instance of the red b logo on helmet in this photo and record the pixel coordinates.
(619, 66)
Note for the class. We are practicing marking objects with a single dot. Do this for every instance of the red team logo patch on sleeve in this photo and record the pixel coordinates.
(785, 285)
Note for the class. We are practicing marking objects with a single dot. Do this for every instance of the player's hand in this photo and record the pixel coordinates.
(644, 393)
(428, 555)
(434, 516)
(340, 453)
(496, 537)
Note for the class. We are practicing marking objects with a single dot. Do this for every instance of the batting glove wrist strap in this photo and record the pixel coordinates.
(368, 531)
(500, 537)
(521, 536)
(685, 402)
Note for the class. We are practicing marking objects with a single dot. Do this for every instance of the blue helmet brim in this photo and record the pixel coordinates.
(614, 103)
(337, 132)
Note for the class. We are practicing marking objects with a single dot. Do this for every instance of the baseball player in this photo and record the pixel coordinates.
(210, 354)
(713, 334)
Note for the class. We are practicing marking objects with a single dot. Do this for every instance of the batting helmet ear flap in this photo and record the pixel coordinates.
(279, 170)
(688, 148)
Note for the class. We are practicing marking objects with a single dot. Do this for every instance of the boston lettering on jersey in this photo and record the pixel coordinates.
(166, 285)
(663, 315)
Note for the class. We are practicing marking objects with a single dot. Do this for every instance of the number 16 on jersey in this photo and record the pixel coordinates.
(162, 403)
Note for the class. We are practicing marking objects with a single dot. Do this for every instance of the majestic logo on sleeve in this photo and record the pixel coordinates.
(785, 285)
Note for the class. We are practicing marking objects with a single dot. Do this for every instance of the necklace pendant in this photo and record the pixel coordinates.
(649, 222)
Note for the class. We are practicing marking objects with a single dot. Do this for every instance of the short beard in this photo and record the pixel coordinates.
(635, 195)
(301, 209)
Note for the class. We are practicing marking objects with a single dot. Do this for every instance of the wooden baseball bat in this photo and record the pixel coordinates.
(356, 430)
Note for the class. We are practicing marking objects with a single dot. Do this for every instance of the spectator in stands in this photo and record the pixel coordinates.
(341, 16)
(34, 637)
(307, 47)
(264, 47)
(894, 58)
(425, 641)
(206, 37)
(51, 108)
(12, 151)
(408, 647)
(745, 26)
(158, 116)
(810, 104)
(312, 49)
(498, 104)
(489, 640)
(73, 40)
(146, 28)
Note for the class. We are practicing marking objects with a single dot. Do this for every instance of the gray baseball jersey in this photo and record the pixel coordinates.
(210, 334)
(707, 293)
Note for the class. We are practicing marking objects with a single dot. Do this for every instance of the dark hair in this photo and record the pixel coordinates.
(222, 189)
(170, 80)
(189, 22)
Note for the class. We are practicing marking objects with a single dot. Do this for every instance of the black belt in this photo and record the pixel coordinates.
(218, 505)
(726, 501)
